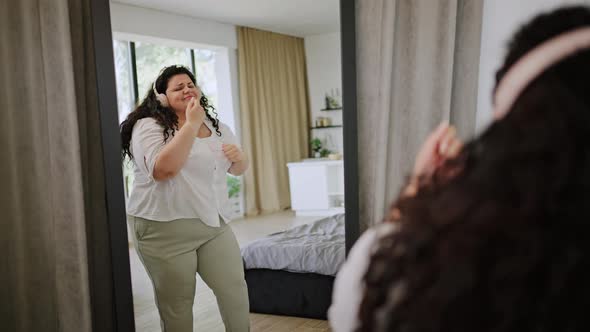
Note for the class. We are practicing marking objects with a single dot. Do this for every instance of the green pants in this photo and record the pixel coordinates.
(173, 252)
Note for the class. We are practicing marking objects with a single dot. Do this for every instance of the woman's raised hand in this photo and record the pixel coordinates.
(195, 114)
(441, 144)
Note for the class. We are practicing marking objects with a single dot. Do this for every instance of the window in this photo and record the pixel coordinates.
(137, 64)
(150, 59)
(125, 97)
(207, 78)
(124, 78)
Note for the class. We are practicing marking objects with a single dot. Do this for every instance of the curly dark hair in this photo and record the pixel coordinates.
(501, 245)
(151, 108)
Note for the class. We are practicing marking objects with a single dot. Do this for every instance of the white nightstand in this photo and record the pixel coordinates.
(317, 187)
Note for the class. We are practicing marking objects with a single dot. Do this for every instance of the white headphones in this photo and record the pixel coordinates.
(534, 63)
(160, 96)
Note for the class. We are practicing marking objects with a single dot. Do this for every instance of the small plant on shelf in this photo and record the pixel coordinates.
(324, 153)
(316, 147)
(332, 102)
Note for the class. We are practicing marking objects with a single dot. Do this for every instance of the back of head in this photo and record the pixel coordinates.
(500, 246)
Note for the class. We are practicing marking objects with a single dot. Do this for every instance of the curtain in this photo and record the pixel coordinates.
(55, 271)
(274, 112)
(417, 64)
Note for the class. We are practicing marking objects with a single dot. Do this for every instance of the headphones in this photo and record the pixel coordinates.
(161, 97)
(534, 63)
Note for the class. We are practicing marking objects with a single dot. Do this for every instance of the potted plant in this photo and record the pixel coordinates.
(233, 186)
(233, 193)
(316, 147)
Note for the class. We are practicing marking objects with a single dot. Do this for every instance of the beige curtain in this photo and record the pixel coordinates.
(274, 114)
(55, 271)
(417, 64)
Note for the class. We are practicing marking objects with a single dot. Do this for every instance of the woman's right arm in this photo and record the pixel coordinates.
(174, 154)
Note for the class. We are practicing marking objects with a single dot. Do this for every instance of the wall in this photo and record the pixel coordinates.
(324, 74)
(501, 18)
(148, 22)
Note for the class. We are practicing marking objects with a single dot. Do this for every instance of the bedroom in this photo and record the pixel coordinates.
(282, 159)
(475, 120)
(67, 253)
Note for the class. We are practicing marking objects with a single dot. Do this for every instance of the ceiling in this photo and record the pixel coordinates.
(293, 17)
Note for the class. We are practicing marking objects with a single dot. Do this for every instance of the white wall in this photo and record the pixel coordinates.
(140, 21)
(501, 18)
(157, 27)
(324, 74)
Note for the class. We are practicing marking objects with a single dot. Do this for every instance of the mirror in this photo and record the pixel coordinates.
(178, 27)
(275, 82)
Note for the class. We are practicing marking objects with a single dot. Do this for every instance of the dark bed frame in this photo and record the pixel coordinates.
(315, 299)
(286, 293)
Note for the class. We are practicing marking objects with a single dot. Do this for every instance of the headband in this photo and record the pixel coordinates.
(534, 63)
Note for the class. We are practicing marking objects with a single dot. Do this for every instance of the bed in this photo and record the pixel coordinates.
(292, 272)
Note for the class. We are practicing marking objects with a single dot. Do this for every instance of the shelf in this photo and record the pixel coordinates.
(336, 194)
(331, 109)
(336, 126)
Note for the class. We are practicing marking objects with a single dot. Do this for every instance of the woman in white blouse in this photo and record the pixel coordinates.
(491, 236)
(177, 209)
(349, 287)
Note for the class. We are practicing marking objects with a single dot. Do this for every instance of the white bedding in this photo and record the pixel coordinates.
(317, 247)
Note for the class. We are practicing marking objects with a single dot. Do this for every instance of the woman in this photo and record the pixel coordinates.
(181, 154)
(492, 237)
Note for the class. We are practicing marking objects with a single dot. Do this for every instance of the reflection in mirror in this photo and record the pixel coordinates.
(249, 184)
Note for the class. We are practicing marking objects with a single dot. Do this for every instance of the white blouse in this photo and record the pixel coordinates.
(349, 287)
(199, 190)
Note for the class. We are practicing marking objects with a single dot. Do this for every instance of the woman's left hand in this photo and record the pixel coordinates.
(442, 144)
(232, 153)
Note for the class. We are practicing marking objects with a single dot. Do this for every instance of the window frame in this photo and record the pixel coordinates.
(133, 58)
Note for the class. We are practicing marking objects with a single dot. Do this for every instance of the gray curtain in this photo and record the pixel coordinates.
(417, 64)
(55, 272)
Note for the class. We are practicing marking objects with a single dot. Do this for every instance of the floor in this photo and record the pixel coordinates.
(206, 313)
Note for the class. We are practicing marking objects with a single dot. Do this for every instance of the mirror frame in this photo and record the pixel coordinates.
(122, 318)
(102, 42)
(349, 121)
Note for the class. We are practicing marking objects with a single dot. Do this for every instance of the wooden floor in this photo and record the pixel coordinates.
(206, 314)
